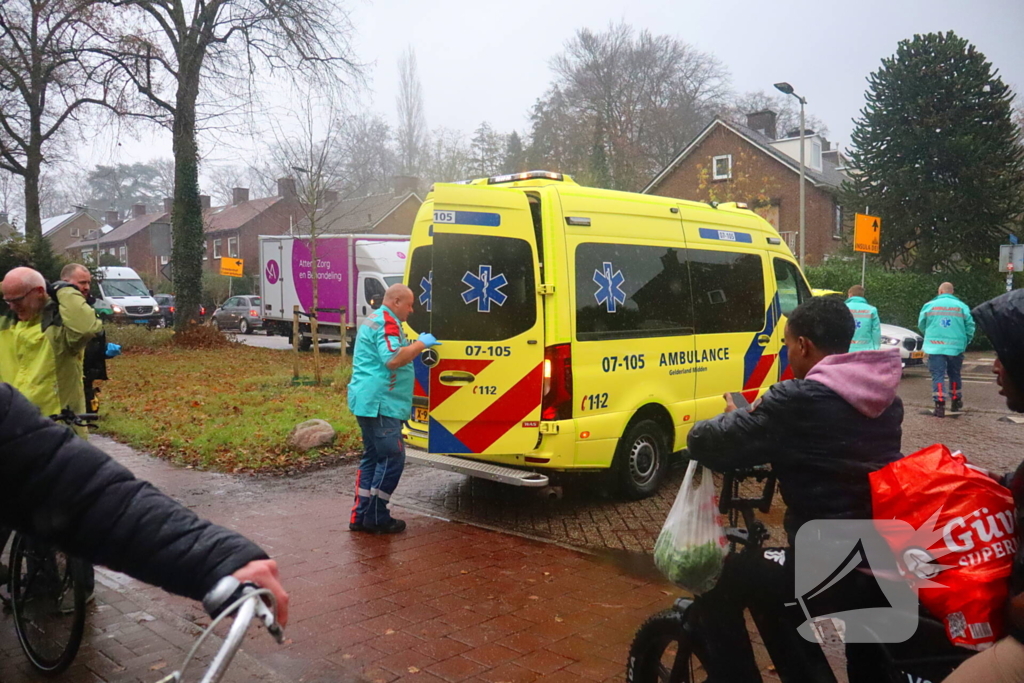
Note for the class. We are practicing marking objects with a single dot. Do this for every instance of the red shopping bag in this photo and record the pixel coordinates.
(963, 521)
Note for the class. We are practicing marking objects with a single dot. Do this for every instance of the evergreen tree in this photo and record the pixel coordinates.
(936, 156)
(515, 155)
(600, 172)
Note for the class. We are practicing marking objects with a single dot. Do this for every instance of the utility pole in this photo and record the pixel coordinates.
(787, 89)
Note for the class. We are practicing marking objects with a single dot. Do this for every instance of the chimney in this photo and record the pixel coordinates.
(286, 188)
(113, 218)
(763, 122)
(330, 197)
(168, 204)
(239, 195)
(404, 184)
(204, 201)
(138, 210)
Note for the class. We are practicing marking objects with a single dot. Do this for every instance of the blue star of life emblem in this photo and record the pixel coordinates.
(858, 322)
(483, 289)
(945, 322)
(609, 287)
(426, 284)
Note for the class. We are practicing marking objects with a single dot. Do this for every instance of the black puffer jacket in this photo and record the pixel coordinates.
(1002, 319)
(822, 435)
(57, 487)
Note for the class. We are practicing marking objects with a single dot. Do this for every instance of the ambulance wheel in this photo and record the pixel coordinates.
(641, 459)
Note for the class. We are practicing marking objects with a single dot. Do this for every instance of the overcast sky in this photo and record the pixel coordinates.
(488, 61)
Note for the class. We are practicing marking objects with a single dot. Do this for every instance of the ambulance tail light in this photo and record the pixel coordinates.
(557, 401)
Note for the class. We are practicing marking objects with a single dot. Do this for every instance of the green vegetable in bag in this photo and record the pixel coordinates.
(695, 568)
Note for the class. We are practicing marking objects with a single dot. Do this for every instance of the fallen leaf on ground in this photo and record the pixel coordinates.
(158, 666)
(413, 670)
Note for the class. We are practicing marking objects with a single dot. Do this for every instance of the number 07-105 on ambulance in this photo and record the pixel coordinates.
(586, 329)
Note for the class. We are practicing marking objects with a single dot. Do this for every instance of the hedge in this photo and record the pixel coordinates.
(899, 295)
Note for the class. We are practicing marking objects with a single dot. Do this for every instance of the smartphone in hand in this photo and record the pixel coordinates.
(739, 400)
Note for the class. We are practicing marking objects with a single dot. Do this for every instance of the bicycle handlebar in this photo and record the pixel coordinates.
(69, 417)
(246, 601)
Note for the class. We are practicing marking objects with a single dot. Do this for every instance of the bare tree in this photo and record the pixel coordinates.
(315, 157)
(62, 188)
(48, 75)
(191, 52)
(412, 125)
(448, 157)
(222, 180)
(644, 94)
(367, 155)
(11, 196)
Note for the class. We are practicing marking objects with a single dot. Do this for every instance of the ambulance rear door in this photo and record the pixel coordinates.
(486, 377)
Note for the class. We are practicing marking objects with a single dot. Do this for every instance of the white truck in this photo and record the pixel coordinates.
(123, 293)
(353, 271)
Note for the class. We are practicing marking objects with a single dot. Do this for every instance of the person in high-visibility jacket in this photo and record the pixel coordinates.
(948, 328)
(868, 334)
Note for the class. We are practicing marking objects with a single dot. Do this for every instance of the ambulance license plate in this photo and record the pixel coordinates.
(917, 354)
(420, 415)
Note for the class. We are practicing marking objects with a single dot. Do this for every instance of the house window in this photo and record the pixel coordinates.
(75, 232)
(816, 154)
(91, 234)
(216, 249)
(163, 260)
(721, 167)
(837, 226)
(206, 248)
(123, 254)
(233, 247)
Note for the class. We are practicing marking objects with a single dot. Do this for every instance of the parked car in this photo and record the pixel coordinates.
(240, 313)
(167, 308)
(909, 342)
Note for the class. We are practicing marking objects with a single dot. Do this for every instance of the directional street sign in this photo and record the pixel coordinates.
(232, 267)
(866, 233)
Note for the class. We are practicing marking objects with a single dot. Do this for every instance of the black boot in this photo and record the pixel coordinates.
(940, 409)
(958, 405)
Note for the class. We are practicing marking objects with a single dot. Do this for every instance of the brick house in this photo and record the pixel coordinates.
(233, 230)
(382, 214)
(728, 161)
(142, 242)
(64, 230)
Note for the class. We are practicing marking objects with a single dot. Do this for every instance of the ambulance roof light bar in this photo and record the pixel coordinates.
(528, 175)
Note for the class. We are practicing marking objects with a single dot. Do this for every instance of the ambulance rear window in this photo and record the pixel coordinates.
(728, 291)
(483, 287)
(628, 291)
(419, 281)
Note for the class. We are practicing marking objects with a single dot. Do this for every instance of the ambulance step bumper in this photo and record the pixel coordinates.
(474, 468)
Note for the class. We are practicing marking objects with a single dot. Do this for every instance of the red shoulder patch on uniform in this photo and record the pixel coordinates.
(391, 328)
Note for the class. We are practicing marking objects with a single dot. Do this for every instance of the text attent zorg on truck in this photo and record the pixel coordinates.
(353, 272)
(586, 329)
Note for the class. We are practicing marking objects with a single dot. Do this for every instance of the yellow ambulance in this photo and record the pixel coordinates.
(586, 329)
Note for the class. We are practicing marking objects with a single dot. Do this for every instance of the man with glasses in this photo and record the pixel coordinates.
(42, 340)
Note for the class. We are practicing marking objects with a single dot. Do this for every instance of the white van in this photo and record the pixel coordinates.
(122, 291)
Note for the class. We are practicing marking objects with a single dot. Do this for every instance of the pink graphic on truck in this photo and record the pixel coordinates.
(331, 274)
(273, 272)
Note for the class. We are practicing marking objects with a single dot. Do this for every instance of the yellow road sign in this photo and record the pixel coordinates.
(866, 233)
(232, 267)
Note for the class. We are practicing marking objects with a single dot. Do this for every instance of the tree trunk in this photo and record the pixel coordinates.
(33, 221)
(314, 320)
(187, 213)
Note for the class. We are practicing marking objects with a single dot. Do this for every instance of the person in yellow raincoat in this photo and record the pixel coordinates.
(42, 340)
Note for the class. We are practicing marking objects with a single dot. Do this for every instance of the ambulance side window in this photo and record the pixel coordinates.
(419, 282)
(728, 291)
(627, 291)
(791, 286)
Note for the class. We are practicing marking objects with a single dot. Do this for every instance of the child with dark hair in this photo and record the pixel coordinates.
(823, 433)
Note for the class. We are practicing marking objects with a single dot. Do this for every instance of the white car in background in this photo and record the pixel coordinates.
(909, 343)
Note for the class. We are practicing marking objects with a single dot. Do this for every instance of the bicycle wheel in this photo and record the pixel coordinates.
(48, 602)
(665, 652)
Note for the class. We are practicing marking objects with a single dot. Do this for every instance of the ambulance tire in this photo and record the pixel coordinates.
(641, 459)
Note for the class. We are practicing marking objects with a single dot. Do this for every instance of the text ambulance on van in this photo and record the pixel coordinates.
(586, 329)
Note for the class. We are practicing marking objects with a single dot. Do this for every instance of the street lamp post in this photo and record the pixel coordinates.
(788, 90)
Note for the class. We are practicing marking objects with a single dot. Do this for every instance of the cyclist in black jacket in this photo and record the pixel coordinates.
(823, 433)
(58, 488)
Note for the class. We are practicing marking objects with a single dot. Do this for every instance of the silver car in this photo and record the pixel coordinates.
(910, 343)
(240, 313)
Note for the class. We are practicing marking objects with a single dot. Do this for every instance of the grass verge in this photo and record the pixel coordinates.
(227, 409)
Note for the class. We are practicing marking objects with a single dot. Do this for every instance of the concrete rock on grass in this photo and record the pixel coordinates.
(311, 434)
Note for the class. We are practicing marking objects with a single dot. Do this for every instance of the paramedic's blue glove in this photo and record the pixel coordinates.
(429, 340)
(113, 350)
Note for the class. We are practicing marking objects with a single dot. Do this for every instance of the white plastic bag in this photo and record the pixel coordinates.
(691, 547)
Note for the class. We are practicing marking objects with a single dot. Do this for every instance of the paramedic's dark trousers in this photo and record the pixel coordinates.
(940, 366)
(763, 585)
(379, 470)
